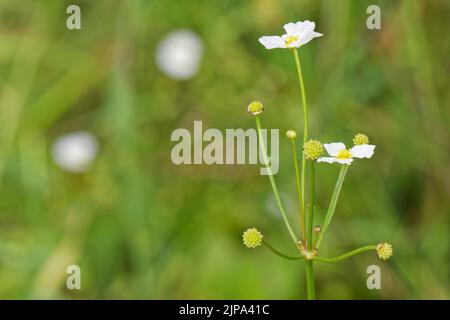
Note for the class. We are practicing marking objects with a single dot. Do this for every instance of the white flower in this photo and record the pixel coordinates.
(297, 34)
(179, 53)
(338, 152)
(74, 152)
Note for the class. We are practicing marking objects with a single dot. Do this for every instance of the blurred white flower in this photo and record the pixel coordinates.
(297, 34)
(179, 53)
(74, 152)
(341, 155)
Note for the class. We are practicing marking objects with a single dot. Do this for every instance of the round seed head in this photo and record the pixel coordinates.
(252, 238)
(313, 149)
(360, 139)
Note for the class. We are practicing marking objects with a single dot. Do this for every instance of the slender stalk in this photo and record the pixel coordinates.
(311, 290)
(278, 253)
(333, 202)
(311, 206)
(305, 119)
(347, 255)
(303, 93)
(272, 180)
(309, 264)
(299, 191)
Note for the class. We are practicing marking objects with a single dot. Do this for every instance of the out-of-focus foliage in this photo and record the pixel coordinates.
(142, 227)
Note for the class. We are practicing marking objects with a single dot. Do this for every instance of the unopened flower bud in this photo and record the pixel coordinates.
(291, 134)
(255, 108)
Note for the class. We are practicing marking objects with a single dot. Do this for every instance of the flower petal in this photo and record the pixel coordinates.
(345, 161)
(333, 160)
(327, 159)
(334, 148)
(307, 37)
(272, 42)
(305, 26)
(291, 28)
(362, 151)
(305, 31)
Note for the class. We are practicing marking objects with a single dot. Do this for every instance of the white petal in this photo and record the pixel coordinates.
(302, 28)
(362, 151)
(271, 42)
(305, 26)
(295, 44)
(307, 37)
(345, 161)
(327, 159)
(304, 31)
(334, 148)
(291, 28)
(317, 34)
(333, 160)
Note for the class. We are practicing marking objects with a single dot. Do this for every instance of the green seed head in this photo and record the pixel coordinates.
(252, 238)
(312, 149)
(255, 108)
(291, 134)
(360, 139)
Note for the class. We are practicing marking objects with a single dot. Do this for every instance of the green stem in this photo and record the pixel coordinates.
(272, 180)
(299, 191)
(278, 253)
(347, 255)
(303, 93)
(305, 119)
(309, 264)
(311, 290)
(311, 206)
(333, 202)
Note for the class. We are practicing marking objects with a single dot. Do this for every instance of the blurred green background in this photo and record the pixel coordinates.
(142, 227)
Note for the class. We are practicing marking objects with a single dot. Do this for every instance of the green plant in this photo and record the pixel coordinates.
(311, 237)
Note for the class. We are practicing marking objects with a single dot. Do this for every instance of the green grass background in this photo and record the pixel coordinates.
(141, 227)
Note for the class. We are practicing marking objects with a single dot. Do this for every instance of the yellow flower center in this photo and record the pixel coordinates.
(290, 39)
(344, 154)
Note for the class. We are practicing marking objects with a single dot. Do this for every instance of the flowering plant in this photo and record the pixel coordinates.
(311, 236)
